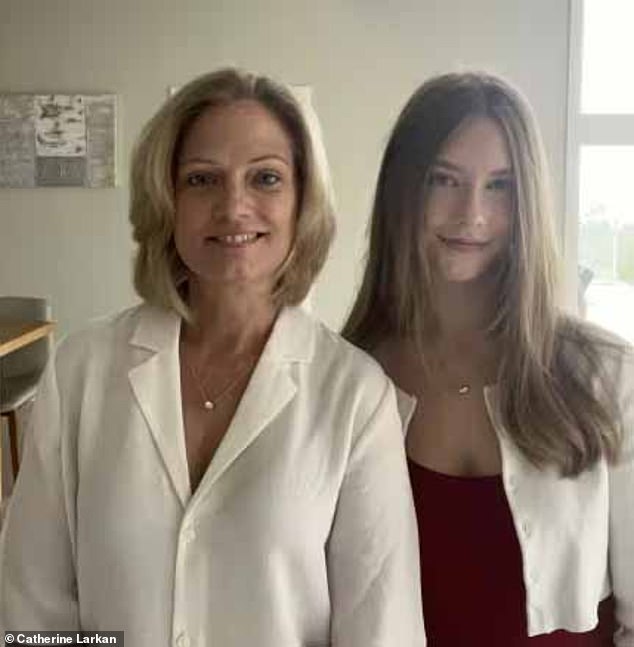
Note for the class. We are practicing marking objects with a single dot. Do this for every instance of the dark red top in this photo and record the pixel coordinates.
(471, 567)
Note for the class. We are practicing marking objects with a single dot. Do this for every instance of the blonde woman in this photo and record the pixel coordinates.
(521, 448)
(214, 466)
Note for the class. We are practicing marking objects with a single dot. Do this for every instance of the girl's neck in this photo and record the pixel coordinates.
(464, 310)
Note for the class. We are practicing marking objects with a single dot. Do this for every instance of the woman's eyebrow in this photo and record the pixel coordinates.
(270, 156)
(208, 160)
(502, 171)
(198, 160)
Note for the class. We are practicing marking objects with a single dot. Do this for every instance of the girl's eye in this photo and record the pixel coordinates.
(268, 179)
(500, 184)
(440, 179)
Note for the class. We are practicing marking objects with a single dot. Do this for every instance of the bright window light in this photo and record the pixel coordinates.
(607, 57)
(606, 237)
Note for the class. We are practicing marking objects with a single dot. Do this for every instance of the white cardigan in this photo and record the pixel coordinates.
(576, 534)
(301, 533)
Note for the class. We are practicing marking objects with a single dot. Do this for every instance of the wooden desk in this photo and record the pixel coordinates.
(15, 335)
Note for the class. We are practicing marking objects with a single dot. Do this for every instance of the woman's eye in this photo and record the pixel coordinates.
(200, 179)
(500, 184)
(268, 179)
(440, 179)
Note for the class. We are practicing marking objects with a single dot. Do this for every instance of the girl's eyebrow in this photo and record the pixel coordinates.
(446, 164)
(450, 166)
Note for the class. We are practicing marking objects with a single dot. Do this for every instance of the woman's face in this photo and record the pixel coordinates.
(236, 196)
(468, 203)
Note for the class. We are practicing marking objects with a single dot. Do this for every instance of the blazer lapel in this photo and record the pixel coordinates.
(271, 387)
(156, 386)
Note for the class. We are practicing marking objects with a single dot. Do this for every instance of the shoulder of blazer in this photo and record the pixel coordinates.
(103, 336)
(328, 344)
(345, 372)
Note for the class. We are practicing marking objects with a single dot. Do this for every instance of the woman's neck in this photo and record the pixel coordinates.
(228, 322)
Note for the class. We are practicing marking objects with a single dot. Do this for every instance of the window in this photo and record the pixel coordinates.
(600, 162)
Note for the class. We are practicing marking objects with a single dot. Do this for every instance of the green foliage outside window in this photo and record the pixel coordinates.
(607, 251)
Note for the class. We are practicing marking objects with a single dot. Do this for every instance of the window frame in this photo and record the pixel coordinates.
(583, 129)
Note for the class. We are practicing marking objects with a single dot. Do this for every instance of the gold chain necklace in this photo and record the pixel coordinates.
(454, 386)
(451, 386)
(211, 402)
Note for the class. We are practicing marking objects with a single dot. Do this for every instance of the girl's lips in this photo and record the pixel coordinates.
(462, 243)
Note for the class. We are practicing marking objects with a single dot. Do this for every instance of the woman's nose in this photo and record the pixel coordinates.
(234, 199)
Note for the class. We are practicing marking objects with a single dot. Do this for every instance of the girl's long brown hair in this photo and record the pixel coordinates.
(555, 400)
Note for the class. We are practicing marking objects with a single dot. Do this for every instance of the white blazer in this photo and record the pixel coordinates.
(301, 533)
(576, 534)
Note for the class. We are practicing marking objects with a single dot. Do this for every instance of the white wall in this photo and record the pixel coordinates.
(362, 57)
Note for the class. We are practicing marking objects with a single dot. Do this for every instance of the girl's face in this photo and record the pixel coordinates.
(468, 203)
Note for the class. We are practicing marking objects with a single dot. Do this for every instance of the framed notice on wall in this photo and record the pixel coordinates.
(57, 140)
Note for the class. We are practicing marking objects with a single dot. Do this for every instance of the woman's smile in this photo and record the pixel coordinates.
(246, 239)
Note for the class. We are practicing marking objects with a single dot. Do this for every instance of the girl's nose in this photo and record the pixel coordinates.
(472, 208)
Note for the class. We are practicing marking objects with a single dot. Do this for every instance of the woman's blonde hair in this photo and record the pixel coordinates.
(549, 362)
(158, 270)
